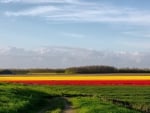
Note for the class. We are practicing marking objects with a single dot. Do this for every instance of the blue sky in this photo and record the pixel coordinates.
(97, 24)
(102, 25)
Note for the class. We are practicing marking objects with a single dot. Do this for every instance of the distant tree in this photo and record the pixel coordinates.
(6, 72)
(91, 69)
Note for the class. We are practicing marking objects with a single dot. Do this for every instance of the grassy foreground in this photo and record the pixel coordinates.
(96, 105)
(15, 98)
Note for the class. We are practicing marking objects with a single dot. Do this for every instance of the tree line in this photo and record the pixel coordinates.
(77, 70)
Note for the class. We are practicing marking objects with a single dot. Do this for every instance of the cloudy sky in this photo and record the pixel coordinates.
(62, 33)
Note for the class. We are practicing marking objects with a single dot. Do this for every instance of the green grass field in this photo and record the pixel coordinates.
(96, 105)
(15, 98)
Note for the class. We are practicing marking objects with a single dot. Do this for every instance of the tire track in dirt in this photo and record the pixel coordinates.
(68, 107)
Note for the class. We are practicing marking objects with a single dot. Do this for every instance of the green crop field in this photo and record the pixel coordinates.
(17, 98)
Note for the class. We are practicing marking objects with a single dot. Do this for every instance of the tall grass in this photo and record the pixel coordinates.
(16, 98)
(95, 105)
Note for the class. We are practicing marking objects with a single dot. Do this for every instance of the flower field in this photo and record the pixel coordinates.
(79, 79)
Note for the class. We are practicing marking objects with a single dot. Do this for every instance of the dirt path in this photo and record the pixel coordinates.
(68, 107)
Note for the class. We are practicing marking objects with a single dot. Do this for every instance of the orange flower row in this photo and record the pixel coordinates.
(79, 79)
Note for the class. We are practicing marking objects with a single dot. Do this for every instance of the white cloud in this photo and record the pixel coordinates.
(38, 1)
(73, 35)
(33, 11)
(138, 44)
(82, 11)
(142, 33)
(58, 57)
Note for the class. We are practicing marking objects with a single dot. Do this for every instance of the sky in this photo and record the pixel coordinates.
(77, 32)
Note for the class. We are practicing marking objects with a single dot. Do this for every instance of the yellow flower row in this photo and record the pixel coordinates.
(76, 77)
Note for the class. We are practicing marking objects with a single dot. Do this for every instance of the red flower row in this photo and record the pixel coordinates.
(84, 82)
